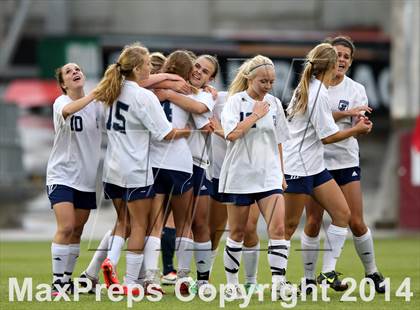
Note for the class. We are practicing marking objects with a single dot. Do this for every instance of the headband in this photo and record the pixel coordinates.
(257, 66)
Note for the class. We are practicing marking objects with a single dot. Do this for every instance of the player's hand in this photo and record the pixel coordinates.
(215, 123)
(210, 89)
(359, 111)
(363, 126)
(184, 132)
(261, 108)
(182, 87)
(284, 184)
(162, 94)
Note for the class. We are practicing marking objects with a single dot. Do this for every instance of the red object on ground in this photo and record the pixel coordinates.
(32, 93)
(409, 194)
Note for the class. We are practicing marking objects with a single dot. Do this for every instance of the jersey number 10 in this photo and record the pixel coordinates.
(119, 123)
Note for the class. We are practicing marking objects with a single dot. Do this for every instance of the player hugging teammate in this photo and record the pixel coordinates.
(177, 148)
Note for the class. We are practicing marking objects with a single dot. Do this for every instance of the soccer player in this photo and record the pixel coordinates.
(71, 170)
(157, 60)
(348, 102)
(134, 118)
(255, 126)
(218, 212)
(311, 126)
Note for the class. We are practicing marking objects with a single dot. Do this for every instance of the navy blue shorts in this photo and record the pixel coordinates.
(112, 191)
(61, 193)
(346, 175)
(167, 181)
(220, 197)
(306, 185)
(201, 185)
(249, 199)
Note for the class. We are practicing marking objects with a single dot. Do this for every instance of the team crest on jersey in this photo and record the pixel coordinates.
(343, 105)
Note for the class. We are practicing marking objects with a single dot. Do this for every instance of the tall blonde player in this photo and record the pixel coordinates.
(348, 101)
(134, 118)
(311, 126)
(255, 126)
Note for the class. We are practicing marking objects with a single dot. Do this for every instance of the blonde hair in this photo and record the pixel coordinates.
(246, 72)
(319, 60)
(157, 59)
(109, 88)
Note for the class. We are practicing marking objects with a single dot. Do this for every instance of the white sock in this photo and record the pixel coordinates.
(232, 259)
(202, 254)
(213, 258)
(134, 262)
(278, 253)
(364, 247)
(333, 245)
(151, 253)
(74, 251)
(116, 244)
(142, 272)
(59, 255)
(184, 249)
(100, 254)
(310, 249)
(250, 257)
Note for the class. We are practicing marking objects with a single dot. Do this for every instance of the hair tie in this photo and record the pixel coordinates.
(311, 62)
(118, 64)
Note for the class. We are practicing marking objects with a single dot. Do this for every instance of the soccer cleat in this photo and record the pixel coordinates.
(308, 288)
(93, 280)
(255, 288)
(377, 279)
(54, 288)
(285, 290)
(135, 291)
(234, 292)
(331, 278)
(195, 288)
(70, 288)
(153, 286)
(110, 273)
(169, 278)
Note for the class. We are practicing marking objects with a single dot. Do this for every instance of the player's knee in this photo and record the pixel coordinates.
(237, 234)
(65, 230)
(276, 232)
(358, 227)
(313, 225)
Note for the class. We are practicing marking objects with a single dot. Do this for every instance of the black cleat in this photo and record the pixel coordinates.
(308, 288)
(94, 281)
(331, 278)
(377, 279)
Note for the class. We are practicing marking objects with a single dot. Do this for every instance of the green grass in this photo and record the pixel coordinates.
(397, 259)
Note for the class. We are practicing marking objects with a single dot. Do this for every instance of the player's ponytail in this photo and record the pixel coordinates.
(319, 61)
(109, 88)
(246, 72)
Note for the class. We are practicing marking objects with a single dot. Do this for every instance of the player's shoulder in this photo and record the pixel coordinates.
(353, 84)
(62, 99)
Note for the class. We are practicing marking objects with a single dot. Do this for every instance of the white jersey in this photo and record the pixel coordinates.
(344, 96)
(198, 141)
(218, 144)
(133, 120)
(174, 154)
(304, 152)
(252, 162)
(75, 154)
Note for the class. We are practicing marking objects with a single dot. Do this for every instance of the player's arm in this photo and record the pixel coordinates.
(260, 109)
(154, 79)
(360, 110)
(362, 127)
(177, 133)
(217, 127)
(280, 146)
(186, 103)
(76, 105)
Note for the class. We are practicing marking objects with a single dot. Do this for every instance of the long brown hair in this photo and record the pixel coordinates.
(319, 60)
(178, 62)
(109, 88)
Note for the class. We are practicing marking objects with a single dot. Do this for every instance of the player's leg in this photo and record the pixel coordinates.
(310, 242)
(272, 208)
(362, 237)
(330, 197)
(168, 251)
(251, 248)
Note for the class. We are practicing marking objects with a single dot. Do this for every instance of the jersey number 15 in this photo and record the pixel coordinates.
(119, 122)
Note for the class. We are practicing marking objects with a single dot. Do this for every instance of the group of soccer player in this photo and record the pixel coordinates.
(182, 154)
